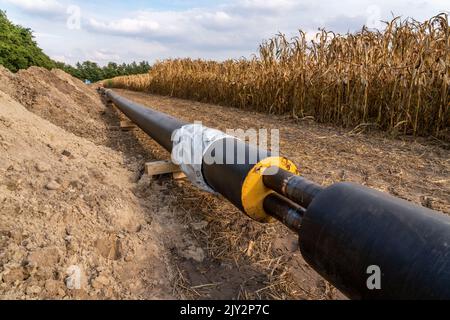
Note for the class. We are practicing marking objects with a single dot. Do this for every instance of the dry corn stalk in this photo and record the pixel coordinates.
(398, 79)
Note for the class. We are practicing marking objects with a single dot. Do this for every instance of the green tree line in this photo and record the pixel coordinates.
(91, 71)
(19, 50)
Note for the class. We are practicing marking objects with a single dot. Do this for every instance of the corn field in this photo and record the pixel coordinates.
(396, 79)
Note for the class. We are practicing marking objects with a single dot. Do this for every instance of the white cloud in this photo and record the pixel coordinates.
(125, 26)
(105, 55)
(236, 29)
(39, 6)
(266, 5)
(219, 20)
(44, 35)
(199, 28)
(216, 31)
(60, 58)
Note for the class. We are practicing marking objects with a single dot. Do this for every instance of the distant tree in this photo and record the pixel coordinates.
(89, 70)
(18, 50)
(110, 70)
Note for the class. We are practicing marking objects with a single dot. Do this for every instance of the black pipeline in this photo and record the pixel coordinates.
(159, 126)
(345, 231)
(346, 228)
(226, 179)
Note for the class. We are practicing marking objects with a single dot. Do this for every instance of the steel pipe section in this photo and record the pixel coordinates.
(287, 212)
(294, 187)
(227, 177)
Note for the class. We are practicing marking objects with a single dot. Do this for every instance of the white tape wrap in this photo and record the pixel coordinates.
(190, 143)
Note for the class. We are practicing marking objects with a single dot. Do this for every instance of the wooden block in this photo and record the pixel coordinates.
(179, 175)
(161, 167)
(127, 125)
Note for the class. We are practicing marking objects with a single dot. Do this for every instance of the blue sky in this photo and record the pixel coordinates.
(123, 31)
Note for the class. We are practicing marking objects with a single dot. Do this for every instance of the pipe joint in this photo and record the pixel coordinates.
(190, 144)
(254, 190)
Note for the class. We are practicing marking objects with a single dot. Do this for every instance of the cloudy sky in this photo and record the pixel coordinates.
(123, 31)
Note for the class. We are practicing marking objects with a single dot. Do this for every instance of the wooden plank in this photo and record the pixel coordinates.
(161, 167)
(127, 125)
(179, 175)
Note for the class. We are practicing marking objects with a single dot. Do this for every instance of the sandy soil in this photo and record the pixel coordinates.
(74, 199)
(71, 224)
(58, 97)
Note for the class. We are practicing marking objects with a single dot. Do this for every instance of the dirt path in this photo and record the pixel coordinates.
(74, 204)
(243, 259)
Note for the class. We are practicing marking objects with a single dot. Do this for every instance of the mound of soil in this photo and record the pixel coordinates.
(56, 96)
(71, 225)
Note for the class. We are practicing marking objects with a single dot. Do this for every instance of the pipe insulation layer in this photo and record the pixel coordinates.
(349, 230)
(190, 144)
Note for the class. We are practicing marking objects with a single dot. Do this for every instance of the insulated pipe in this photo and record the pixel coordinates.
(349, 233)
(227, 177)
(237, 178)
(349, 225)
(157, 125)
(347, 230)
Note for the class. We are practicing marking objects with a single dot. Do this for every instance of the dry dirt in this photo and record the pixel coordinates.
(71, 225)
(74, 200)
(58, 97)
